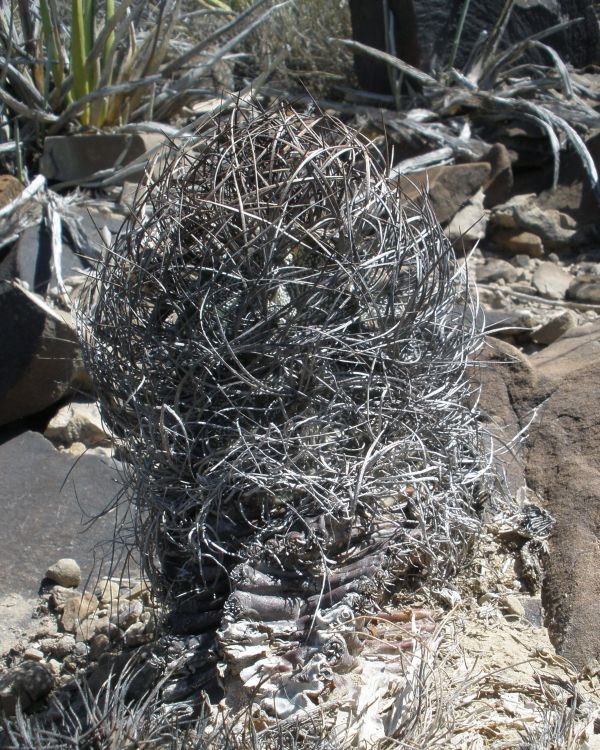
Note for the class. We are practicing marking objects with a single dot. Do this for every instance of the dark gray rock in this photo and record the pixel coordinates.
(40, 359)
(85, 236)
(76, 158)
(45, 496)
(32, 260)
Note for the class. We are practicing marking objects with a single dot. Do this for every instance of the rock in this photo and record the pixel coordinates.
(58, 647)
(99, 644)
(140, 590)
(10, 188)
(25, 684)
(556, 230)
(127, 613)
(136, 635)
(45, 496)
(33, 654)
(523, 261)
(60, 595)
(55, 666)
(496, 269)
(554, 328)
(40, 359)
(66, 572)
(78, 421)
(450, 187)
(509, 324)
(512, 605)
(81, 649)
(500, 184)
(507, 380)
(31, 261)
(518, 243)
(585, 289)
(574, 195)
(563, 468)
(76, 158)
(469, 224)
(108, 592)
(551, 280)
(90, 230)
(76, 610)
(91, 627)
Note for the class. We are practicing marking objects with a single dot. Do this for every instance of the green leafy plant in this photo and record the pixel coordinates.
(103, 64)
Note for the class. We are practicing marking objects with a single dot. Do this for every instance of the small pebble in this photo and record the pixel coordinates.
(55, 666)
(99, 644)
(81, 649)
(34, 654)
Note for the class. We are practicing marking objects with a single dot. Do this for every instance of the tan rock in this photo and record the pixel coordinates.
(76, 610)
(108, 592)
(511, 604)
(551, 280)
(585, 289)
(89, 628)
(449, 187)
(136, 634)
(468, 225)
(58, 647)
(555, 327)
(66, 572)
(33, 654)
(99, 644)
(127, 613)
(78, 422)
(60, 596)
(10, 188)
(518, 243)
(141, 590)
(556, 230)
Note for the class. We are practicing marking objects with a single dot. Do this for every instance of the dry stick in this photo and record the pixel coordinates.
(541, 300)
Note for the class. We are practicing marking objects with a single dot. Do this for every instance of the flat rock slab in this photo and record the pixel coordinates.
(562, 465)
(44, 496)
